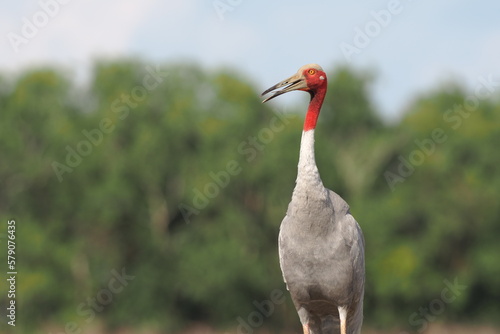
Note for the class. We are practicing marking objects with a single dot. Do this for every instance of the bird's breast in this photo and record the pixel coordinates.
(317, 263)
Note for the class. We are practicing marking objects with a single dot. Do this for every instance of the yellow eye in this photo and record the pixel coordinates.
(311, 71)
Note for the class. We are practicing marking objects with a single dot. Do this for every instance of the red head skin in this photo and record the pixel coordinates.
(316, 86)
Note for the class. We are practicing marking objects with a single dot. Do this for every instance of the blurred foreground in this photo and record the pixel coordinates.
(204, 329)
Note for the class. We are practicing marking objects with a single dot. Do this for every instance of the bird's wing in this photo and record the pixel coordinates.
(280, 250)
(353, 239)
(355, 242)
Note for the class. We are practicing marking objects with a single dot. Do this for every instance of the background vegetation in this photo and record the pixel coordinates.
(183, 186)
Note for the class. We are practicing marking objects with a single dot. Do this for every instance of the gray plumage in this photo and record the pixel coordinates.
(321, 248)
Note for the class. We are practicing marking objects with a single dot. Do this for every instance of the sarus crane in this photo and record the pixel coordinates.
(321, 246)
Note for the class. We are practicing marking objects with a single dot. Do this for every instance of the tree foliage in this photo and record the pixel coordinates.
(179, 177)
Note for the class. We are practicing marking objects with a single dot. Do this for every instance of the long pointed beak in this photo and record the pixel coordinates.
(295, 82)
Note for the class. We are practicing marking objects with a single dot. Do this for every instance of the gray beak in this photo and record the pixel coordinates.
(295, 82)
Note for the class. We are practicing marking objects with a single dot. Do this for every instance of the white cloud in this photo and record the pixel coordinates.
(75, 32)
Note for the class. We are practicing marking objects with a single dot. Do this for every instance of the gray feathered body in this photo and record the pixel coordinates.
(321, 249)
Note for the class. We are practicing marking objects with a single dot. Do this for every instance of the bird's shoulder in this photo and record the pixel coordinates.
(346, 220)
(340, 206)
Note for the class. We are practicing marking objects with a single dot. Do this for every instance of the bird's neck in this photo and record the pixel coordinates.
(314, 108)
(307, 169)
(309, 186)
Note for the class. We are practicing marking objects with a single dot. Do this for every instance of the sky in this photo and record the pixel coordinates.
(412, 46)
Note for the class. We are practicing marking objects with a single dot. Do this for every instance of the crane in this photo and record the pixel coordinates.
(321, 245)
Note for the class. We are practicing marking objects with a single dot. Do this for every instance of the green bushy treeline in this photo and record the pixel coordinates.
(153, 198)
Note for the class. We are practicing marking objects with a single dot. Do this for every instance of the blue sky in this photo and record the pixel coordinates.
(413, 46)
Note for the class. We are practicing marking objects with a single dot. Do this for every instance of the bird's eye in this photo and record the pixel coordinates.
(311, 71)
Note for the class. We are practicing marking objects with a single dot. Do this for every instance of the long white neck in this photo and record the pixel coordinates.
(308, 174)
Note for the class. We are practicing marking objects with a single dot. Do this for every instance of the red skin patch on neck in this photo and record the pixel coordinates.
(316, 86)
(314, 108)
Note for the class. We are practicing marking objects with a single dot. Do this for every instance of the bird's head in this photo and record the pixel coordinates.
(309, 78)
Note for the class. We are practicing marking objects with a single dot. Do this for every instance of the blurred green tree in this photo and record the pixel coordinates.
(180, 177)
